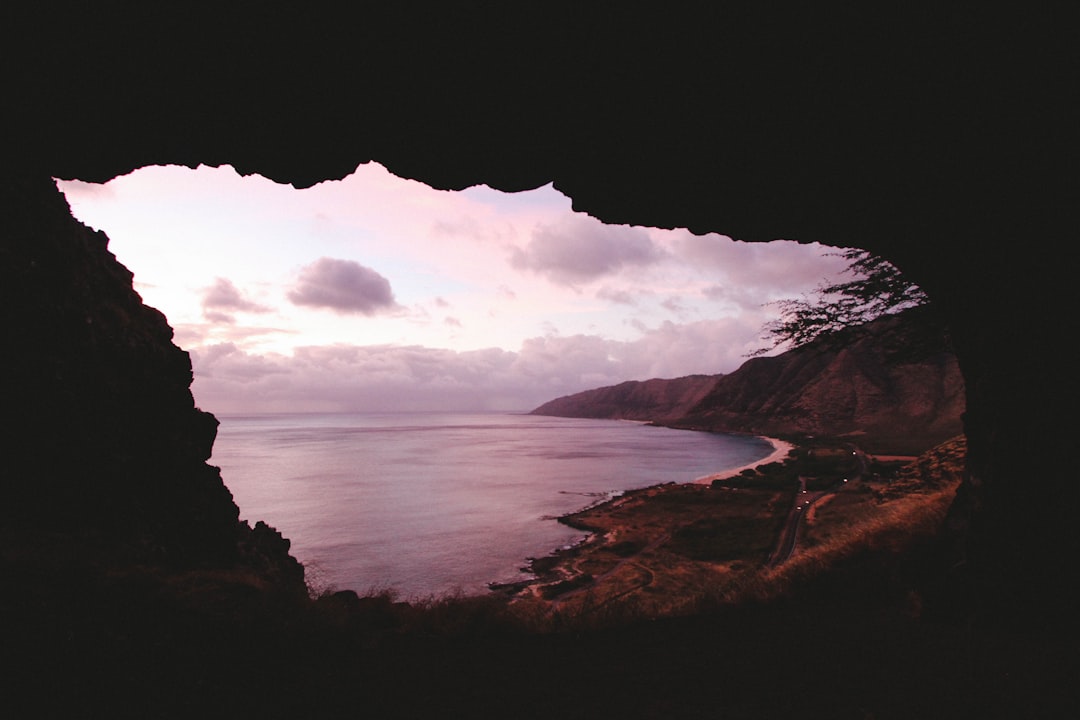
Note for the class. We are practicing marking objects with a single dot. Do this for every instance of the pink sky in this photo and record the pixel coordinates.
(375, 293)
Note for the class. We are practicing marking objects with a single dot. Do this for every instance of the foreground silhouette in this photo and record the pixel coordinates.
(941, 141)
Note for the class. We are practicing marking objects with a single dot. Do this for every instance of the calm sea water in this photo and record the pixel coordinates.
(432, 503)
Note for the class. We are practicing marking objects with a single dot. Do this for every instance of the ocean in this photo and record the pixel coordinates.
(432, 503)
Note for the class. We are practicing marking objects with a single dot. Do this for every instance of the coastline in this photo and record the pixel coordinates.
(669, 548)
(781, 449)
(561, 566)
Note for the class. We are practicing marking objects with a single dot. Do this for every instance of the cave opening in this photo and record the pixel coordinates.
(375, 295)
(942, 140)
(248, 270)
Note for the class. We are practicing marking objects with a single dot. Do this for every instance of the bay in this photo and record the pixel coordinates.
(432, 503)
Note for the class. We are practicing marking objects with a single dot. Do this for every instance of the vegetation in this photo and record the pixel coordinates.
(687, 549)
(878, 289)
(819, 464)
(714, 540)
(878, 521)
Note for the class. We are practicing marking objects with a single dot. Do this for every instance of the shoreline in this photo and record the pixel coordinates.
(781, 449)
(552, 568)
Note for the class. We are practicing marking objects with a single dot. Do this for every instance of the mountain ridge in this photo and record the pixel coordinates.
(892, 385)
(652, 400)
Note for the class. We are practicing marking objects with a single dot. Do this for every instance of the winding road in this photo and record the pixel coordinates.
(788, 539)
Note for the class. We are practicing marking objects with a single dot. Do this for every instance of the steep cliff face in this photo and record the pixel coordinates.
(101, 437)
(895, 387)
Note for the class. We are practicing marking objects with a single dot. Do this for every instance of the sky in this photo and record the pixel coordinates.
(379, 294)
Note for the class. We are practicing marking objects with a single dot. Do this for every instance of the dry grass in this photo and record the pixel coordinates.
(678, 550)
(889, 527)
(884, 517)
(653, 549)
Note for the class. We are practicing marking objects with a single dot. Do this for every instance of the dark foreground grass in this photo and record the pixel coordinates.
(841, 645)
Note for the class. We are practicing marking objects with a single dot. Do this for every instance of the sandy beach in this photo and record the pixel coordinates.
(781, 450)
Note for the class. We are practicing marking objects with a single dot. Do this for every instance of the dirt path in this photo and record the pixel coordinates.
(634, 560)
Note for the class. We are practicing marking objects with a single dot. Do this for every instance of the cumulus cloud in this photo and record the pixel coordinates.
(578, 249)
(344, 286)
(223, 298)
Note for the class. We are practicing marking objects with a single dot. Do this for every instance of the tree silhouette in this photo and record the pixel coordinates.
(879, 288)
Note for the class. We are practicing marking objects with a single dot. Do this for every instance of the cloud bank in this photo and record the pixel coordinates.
(388, 378)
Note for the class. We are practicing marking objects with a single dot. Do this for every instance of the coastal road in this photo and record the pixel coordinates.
(789, 534)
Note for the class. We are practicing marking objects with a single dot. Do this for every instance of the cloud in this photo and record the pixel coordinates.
(390, 378)
(343, 286)
(674, 305)
(619, 297)
(226, 361)
(219, 317)
(780, 266)
(223, 298)
(194, 335)
(224, 295)
(578, 249)
(716, 292)
(334, 378)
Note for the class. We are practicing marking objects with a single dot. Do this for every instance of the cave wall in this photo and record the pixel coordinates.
(943, 140)
(105, 454)
(101, 434)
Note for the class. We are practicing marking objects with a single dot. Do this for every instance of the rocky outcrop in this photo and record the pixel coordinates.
(894, 387)
(101, 438)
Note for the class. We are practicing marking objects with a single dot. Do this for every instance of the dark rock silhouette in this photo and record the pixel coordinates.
(894, 387)
(102, 439)
(943, 140)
